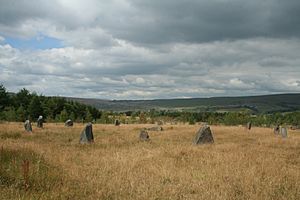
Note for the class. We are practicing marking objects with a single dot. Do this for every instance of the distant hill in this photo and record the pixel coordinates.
(256, 104)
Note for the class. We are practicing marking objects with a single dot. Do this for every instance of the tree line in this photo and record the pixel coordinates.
(29, 105)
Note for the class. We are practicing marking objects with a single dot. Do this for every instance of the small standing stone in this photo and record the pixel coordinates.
(204, 135)
(69, 123)
(117, 122)
(283, 132)
(40, 122)
(27, 126)
(87, 135)
(277, 130)
(144, 136)
(249, 125)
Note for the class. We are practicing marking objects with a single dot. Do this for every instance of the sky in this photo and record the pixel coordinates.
(150, 49)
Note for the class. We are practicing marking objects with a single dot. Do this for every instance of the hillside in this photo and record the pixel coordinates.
(257, 104)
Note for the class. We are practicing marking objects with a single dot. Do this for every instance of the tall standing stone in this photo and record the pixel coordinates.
(87, 135)
(283, 132)
(27, 126)
(249, 125)
(204, 135)
(277, 130)
(40, 122)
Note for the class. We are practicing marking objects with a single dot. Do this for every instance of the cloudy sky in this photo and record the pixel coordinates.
(147, 49)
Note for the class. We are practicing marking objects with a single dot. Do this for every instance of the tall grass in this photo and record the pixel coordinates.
(239, 165)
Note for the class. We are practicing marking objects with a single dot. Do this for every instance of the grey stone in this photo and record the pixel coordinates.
(277, 130)
(283, 132)
(204, 135)
(249, 125)
(117, 122)
(87, 135)
(27, 126)
(40, 121)
(144, 136)
(69, 123)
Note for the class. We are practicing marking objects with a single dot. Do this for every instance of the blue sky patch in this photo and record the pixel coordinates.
(37, 42)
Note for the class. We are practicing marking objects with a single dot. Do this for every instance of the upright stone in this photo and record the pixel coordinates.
(117, 122)
(87, 135)
(283, 132)
(277, 130)
(40, 122)
(69, 123)
(249, 125)
(204, 135)
(27, 126)
(144, 136)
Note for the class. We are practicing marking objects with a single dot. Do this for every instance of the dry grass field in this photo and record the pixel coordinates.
(239, 165)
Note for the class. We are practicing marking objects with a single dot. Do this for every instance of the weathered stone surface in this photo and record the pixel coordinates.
(204, 135)
(117, 122)
(40, 122)
(144, 136)
(87, 135)
(27, 126)
(249, 125)
(277, 130)
(283, 132)
(69, 123)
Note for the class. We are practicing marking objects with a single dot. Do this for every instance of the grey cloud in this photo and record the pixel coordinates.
(130, 49)
(242, 67)
(155, 22)
(203, 21)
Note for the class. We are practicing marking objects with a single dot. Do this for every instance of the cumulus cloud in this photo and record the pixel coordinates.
(129, 49)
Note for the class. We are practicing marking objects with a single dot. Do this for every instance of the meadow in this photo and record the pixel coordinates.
(51, 164)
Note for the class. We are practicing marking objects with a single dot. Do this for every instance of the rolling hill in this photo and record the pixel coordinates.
(256, 104)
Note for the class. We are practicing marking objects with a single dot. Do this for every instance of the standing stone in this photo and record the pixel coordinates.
(40, 122)
(283, 132)
(249, 125)
(277, 130)
(144, 136)
(69, 123)
(87, 134)
(27, 126)
(117, 122)
(204, 135)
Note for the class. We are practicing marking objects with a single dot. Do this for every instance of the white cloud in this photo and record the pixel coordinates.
(128, 49)
(127, 71)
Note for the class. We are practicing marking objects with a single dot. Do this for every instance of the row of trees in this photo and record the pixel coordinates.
(25, 105)
(226, 118)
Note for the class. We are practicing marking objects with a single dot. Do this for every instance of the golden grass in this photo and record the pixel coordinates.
(239, 165)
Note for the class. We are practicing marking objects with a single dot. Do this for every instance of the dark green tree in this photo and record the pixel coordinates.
(35, 108)
(4, 98)
(20, 114)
